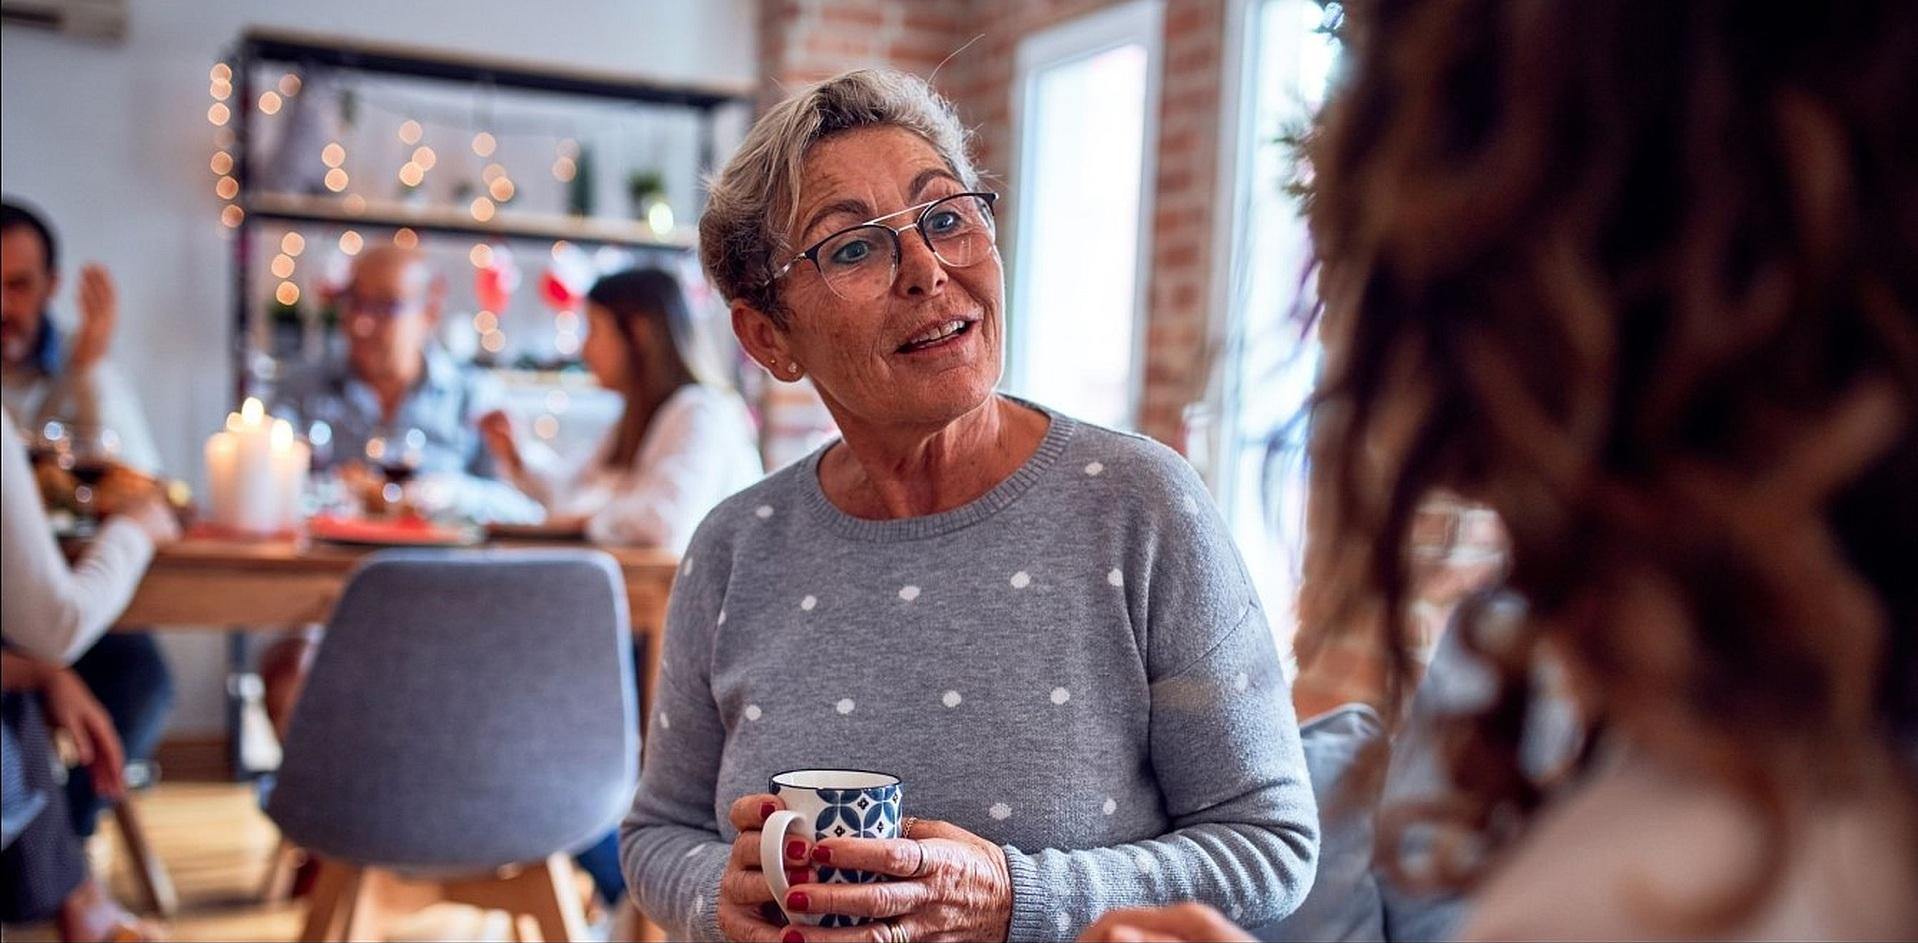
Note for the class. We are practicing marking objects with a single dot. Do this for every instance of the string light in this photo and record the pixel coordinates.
(560, 246)
(292, 244)
(566, 344)
(282, 266)
(222, 163)
(270, 103)
(493, 341)
(350, 242)
(336, 180)
(411, 174)
(492, 172)
(289, 85)
(501, 189)
(564, 169)
(425, 157)
(485, 322)
(484, 143)
(410, 132)
(481, 256)
(232, 215)
(482, 209)
(566, 322)
(219, 90)
(227, 188)
(218, 114)
(546, 426)
(221, 72)
(287, 294)
(659, 217)
(406, 238)
(333, 155)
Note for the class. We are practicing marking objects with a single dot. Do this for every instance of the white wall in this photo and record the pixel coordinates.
(111, 140)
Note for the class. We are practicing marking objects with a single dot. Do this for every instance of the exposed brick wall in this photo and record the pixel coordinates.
(804, 40)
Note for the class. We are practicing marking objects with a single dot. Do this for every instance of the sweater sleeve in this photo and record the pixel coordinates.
(671, 848)
(681, 477)
(49, 611)
(1225, 749)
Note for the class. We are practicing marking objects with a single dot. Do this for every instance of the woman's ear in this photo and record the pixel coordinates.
(764, 340)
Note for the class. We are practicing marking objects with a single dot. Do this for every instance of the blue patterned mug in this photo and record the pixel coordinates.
(822, 804)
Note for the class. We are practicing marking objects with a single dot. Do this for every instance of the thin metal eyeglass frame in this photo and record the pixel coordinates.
(879, 222)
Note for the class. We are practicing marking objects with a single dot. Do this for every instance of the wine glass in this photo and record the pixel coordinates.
(398, 455)
(89, 455)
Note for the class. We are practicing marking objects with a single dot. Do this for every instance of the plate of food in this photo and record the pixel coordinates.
(406, 531)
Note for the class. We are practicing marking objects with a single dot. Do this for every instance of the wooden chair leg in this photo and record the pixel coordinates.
(335, 893)
(544, 891)
(277, 886)
(155, 883)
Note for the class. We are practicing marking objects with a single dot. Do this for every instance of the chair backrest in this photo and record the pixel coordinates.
(466, 710)
(19, 801)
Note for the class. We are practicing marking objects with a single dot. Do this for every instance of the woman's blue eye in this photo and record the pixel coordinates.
(852, 252)
(944, 221)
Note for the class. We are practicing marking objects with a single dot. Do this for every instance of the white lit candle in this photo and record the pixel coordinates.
(256, 472)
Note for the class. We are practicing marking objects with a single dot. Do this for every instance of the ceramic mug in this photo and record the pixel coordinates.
(822, 804)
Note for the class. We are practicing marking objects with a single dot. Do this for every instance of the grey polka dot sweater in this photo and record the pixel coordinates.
(1073, 666)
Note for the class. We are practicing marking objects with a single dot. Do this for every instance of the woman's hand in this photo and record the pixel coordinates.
(1177, 923)
(496, 430)
(72, 708)
(948, 884)
(155, 516)
(747, 911)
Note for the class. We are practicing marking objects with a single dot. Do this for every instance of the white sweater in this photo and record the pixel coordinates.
(48, 610)
(698, 449)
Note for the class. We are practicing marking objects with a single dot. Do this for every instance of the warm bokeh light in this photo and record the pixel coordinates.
(221, 72)
(222, 163)
(492, 172)
(410, 131)
(406, 238)
(350, 242)
(411, 174)
(482, 209)
(218, 114)
(425, 157)
(485, 322)
(220, 91)
(557, 401)
(287, 294)
(336, 180)
(232, 215)
(227, 188)
(333, 155)
(493, 341)
(269, 103)
(289, 85)
(566, 345)
(564, 169)
(546, 426)
(566, 322)
(282, 266)
(484, 144)
(560, 247)
(354, 203)
(481, 256)
(501, 188)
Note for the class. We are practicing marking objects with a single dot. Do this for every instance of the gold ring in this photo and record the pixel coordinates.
(905, 826)
(920, 868)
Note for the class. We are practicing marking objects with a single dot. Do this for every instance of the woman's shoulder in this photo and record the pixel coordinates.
(1137, 464)
(772, 496)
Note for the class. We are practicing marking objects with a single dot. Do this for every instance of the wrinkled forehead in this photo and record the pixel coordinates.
(852, 176)
(391, 274)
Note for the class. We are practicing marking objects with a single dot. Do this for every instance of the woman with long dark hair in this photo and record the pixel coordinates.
(1643, 278)
(682, 442)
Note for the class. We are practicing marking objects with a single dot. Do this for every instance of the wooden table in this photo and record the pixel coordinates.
(264, 585)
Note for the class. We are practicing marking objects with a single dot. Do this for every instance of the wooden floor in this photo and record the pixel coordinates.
(216, 845)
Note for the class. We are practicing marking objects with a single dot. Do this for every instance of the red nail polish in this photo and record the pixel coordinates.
(796, 850)
(793, 936)
(797, 900)
(766, 810)
(798, 876)
(822, 855)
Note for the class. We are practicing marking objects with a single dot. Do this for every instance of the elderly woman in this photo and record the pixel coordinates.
(1040, 626)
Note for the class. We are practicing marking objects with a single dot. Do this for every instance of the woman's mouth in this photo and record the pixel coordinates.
(937, 335)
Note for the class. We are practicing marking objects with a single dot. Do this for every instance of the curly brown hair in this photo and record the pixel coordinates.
(1643, 277)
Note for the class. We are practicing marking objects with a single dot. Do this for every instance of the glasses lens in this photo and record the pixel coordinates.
(858, 263)
(960, 229)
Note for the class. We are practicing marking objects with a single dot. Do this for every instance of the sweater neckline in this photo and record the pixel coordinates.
(1059, 430)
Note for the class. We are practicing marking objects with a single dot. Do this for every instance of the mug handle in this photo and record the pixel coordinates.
(772, 850)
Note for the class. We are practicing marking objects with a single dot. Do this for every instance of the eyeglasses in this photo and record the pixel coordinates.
(859, 263)
(378, 309)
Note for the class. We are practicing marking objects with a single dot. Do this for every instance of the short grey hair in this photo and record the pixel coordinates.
(754, 200)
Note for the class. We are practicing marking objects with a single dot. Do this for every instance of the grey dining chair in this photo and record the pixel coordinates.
(468, 721)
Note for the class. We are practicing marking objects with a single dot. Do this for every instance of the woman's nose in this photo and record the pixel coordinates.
(920, 271)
